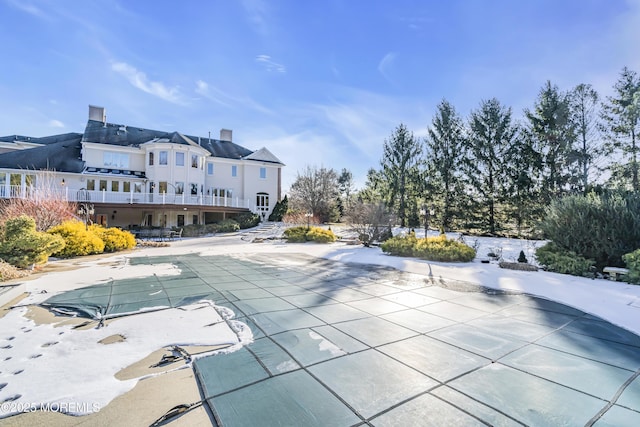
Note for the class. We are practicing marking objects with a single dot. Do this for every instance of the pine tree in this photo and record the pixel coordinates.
(621, 117)
(400, 169)
(345, 185)
(584, 102)
(553, 137)
(445, 148)
(523, 168)
(491, 134)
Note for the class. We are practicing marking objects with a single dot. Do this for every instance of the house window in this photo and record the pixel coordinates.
(263, 173)
(115, 160)
(30, 180)
(234, 170)
(91, 184)
(195, 220)
(194, 189)
(15, 179)
(179, 159)
(103, 184)
(162, 189)
(194, 161)
(126, 187)
(151, 158)
(180, 220)
(115, 186)
(137, 187)
(209, 168)
(179, 187)
(163, 158)
(262, 201)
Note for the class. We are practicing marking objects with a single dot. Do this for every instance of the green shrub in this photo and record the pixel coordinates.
(442, 249)
(632, 260)
(279, 210)
(320, 235)
(228, 225)
(296, 234)
(303, 234)
(432, 248)
(522, 258)
(78, 240)
(247, 220)
(559, 260)
(114, 239)
(598, 227)
(22, 246)
(400, 245)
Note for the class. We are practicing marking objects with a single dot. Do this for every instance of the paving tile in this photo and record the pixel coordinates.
(307, 346)
(490, 344)
(619, 417)
(620, 355)
(540, 317)
(434, 358)
(418, 320)
(335, 313)
(377, 306)
(339, 338)
(604, 330)
(225, 372)
(526, 398)
(251, 293)
(272, 357)
(545, 304)
(488, 415)
(630, 397)
(438, 292)
(585, 375)
(280, 321)
(488, 302)
(262, 305)
(453, 311)
(356, 378)
(345, 294)
(524, 331)
(293, 399)
(378, 289)
(425, 411)
(410, 299)
(374, 331)
(309, 299)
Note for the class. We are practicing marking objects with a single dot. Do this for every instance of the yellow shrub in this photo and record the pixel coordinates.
(114, 239)
(79, 241)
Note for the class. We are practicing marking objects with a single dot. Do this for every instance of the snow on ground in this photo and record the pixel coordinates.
(43, 363)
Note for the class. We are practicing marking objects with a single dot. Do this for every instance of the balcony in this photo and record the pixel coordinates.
(130, 198)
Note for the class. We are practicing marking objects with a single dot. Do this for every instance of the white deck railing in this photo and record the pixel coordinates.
(132, 198)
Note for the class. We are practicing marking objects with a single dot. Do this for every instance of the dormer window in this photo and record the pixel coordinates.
(151, 158)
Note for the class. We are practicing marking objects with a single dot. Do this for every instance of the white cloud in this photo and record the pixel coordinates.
(139, 80)
(386, 64)
(202, 87)
(56, 123)
(269, 64)
(214, 94)
(257, 13)
(27, 7)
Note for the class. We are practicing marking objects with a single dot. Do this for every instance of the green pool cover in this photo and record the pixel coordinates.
(339, 344)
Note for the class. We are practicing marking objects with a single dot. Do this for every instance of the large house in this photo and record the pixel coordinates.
(124, 176)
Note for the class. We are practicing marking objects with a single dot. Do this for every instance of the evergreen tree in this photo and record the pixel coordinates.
(400, 169)
(584, 103)
(553, 136)
(522, 169)
(621, 117)
(445, 149)
(345, 185)
(491, 134)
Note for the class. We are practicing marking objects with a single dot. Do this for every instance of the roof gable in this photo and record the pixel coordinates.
(263, 155)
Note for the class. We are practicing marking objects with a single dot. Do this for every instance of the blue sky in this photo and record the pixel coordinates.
(317, 82)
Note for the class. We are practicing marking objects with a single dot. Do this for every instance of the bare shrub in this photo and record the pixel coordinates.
(47, 204)
(299, 218)
(372, 221)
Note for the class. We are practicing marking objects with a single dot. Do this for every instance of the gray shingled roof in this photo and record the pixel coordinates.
(132, 136)
(60, 153)
(63, 152)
